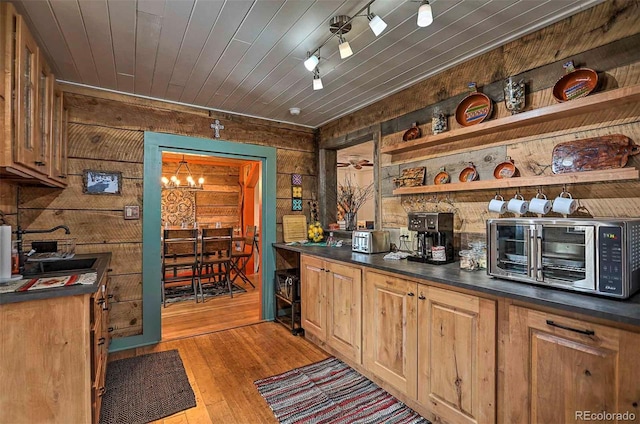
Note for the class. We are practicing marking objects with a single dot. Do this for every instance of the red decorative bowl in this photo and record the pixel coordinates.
(411, 134)
(575, 85)
(470, 173)
(441, 177)
(473, 109)
(505, 169)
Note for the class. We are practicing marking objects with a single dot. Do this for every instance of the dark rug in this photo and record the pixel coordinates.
(220, 288)
(330, 391)
(145, 388)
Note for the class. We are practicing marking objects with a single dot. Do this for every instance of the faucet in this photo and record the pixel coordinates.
(20, 231)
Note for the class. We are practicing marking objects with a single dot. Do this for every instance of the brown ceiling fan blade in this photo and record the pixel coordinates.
(366, 164)
(342, 164)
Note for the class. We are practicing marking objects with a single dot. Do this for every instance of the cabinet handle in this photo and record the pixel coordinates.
(101, 341)
(421, 297)
(109, 270)
(39, 163)
(100, 301)
(109, 296)
(62, 176)
(326, 270)
(410, 294)
(575, 330)
(101, 391)
(110, 329)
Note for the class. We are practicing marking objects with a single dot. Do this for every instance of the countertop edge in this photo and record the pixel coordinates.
(101, 266)
(619, 311)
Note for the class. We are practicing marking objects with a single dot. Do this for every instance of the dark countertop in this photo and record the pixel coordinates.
(623, 311)
(100, 267)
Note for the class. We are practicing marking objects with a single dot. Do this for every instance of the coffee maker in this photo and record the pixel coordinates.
(435, 237)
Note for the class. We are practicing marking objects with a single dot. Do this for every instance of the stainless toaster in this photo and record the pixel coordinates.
(370, 241)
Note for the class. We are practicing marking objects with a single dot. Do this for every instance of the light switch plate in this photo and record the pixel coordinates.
(132, 212)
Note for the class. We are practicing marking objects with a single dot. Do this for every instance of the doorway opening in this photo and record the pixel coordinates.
(204, 191)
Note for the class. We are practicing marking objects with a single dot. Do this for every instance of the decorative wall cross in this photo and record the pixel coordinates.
(216, 126)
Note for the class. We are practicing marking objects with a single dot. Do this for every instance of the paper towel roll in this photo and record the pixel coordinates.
(5, 252)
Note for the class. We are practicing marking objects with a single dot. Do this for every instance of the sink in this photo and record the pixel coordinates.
(80, 264)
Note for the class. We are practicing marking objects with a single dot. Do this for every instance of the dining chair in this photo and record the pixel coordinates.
(239, 258)
(214, 260)
(179, 254)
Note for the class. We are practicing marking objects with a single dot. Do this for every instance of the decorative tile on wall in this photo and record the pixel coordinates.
(296, 192)
(178, 206)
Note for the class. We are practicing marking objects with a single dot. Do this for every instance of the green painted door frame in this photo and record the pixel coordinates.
(154, 145)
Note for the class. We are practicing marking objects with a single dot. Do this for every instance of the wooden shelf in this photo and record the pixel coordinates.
(557, 179)
(611, 105)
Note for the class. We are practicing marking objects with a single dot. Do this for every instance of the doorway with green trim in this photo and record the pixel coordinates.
(157, 144)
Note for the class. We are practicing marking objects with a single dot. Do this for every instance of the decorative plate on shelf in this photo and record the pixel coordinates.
(576, 83)
(473, 109)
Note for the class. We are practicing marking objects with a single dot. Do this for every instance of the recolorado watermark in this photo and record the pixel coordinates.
(604, 416)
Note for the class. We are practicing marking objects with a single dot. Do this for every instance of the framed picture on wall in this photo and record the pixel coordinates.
(102, 182)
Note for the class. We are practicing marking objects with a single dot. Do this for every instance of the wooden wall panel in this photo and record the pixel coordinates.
(106, 132)
(118, 114)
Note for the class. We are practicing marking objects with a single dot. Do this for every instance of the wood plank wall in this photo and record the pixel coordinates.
(106, 132)
(605, 38)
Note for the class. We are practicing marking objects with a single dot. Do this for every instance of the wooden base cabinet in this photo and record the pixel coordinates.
(434, 345)
(560, 369)
(457, 355)
(53, 359)
(331, 302)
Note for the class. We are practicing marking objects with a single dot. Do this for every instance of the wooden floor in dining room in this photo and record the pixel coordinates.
(223, 365)
(188, 318)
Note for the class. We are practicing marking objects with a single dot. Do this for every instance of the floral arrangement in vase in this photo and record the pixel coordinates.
(351, 197)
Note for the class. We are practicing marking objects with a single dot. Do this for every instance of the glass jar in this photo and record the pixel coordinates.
(479, 249)
(468, 260)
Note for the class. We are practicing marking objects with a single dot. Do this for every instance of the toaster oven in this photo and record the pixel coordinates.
(599, 256)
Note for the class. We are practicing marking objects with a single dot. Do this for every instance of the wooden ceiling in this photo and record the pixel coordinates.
(245, 56)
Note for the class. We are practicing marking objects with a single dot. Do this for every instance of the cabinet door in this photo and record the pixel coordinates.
(389, 330)
(557, 368)
(312, 296)
(45, 114)
(456, 351)
(344, 309)
(58, 150)
(26, 150)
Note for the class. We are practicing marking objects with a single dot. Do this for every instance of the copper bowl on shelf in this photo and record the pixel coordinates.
(412, 133)
(575, 85)
(441, 177)
(506, 169)
(470, 173)
(473, 109)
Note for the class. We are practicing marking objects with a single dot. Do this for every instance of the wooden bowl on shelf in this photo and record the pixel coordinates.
(473, 109)
(575, 85)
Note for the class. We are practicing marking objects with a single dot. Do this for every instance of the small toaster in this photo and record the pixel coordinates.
(370, 241)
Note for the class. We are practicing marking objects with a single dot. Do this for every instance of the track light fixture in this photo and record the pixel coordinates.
(344, 48)
(376, 23)
(425, 14)
(341, 24)
(312, 61)
(317, 82)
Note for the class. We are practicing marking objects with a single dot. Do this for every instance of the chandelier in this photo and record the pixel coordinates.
(174, 180)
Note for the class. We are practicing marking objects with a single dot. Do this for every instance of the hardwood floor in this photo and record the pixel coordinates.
(222, 367)
(188, 318)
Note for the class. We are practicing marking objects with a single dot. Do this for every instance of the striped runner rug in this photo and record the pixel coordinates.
(330, 391)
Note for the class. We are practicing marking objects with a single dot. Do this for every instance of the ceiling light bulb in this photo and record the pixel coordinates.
(345, 48)
(190, 179)
(425, 15)
(177, 182)
(165, 180)
(174, 178)
(311, 63)
(200, 180)
(376, 24)
(317, 83)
